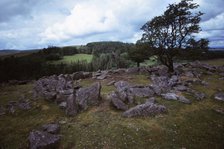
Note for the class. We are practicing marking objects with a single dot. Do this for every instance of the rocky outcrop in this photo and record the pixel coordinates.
(40, 139)
(54, 87)
(128, 92)
(117, 102)
(61, 90)
(88, 96)
(147, 109)
(71, 106)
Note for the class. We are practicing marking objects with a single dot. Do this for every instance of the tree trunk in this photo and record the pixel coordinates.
(138, 64)
(170, 65)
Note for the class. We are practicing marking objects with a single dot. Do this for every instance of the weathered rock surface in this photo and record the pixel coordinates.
(198, 95)
(220, 111)
(133, 70)
(147, 109)
(54, 87)
(11, 107)
(141, 91)
(127, 92)
(71, 106)
(163, 84)
(174, 96)
(88, 96)
(123, 91)
(219, 96)
(116, 102)
(51, 128)
(170, 96)
(41, 140)
(151, 100)
(24, 105)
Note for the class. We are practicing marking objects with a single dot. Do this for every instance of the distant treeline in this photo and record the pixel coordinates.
(106, 55)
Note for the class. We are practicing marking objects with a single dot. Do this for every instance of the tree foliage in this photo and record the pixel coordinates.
(139, 53)
(172, 30)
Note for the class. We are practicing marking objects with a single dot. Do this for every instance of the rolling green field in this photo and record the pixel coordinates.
(193, 126)
(75, 58)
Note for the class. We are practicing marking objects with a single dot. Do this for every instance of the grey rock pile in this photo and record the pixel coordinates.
(46, 138)
(61, 89)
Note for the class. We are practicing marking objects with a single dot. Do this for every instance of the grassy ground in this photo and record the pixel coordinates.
(184, 126)
(75, 58)
(217, 62)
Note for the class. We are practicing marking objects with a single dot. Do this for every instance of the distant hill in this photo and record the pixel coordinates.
(6, 52)
(17, 53)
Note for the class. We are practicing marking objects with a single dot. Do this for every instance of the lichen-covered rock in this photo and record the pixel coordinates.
(123, 89)
(88, 96)
(174, 96)
(71, 106)
(219, 96)
(170, 96)
(51, 128)
(116, 102)
(42, 140)
(127, 92)
(141, 91)
(53, 87)
(24, 105)
(147, 109)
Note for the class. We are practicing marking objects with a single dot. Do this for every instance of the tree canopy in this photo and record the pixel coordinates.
(172, 30)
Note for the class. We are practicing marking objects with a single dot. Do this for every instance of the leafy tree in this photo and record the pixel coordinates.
(139, 52)
(172, 30)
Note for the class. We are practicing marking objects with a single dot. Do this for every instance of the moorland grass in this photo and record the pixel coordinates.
(194, 125)
(75, 58)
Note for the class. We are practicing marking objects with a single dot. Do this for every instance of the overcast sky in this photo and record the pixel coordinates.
(28, 24)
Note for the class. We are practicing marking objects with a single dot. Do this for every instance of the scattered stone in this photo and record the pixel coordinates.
(174, 96)
(111, 83)
(147, 109)
(40, 140)
(219, 96)
(181, 88)
(71, 106)
(11, 107)
(119, 71)
(2, 111)
(199, 96)
(184, 99)
(123, 91)
(141, 91)
(88, 96)
(133, 70)
(53, 87)
(170, 96)
(77, 75)
(220, 111)
(151, 100)
(101, 77)
(116, 102)
(62, 122)
(24, 105)
(63, 105)
(51, 128)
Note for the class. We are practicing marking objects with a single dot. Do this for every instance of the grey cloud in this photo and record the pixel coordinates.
(13, 8)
